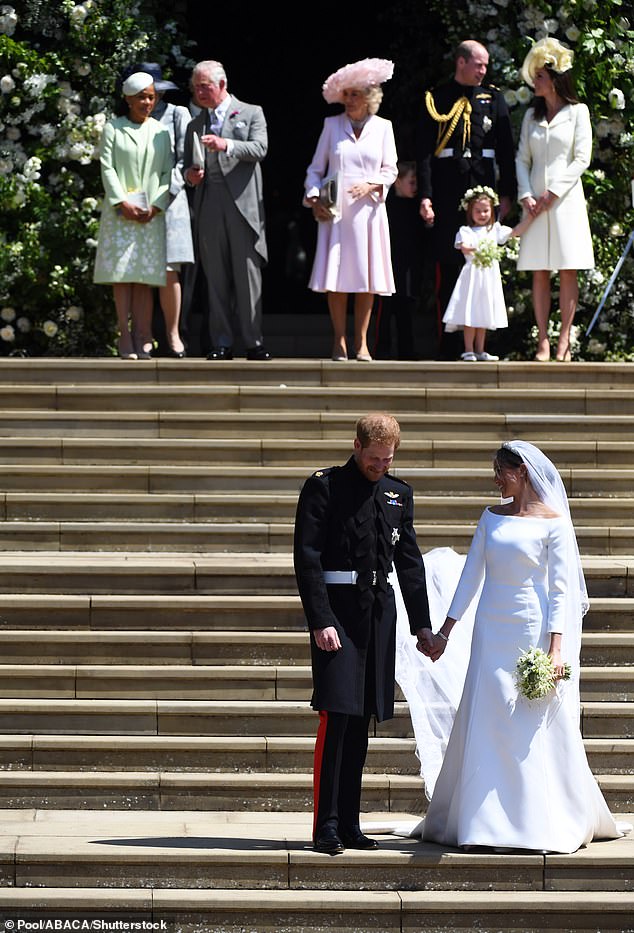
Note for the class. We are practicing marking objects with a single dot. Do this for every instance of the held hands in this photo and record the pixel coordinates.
(432, 646)
(327, 639)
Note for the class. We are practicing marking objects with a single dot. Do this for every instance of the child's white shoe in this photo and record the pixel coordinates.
(468, 357)
(486, 357)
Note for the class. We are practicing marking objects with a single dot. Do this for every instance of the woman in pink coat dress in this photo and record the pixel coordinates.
(356, 149)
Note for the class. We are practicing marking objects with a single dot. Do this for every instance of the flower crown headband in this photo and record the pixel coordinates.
(474, 194)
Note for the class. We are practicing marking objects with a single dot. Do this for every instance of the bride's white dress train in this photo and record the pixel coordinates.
(514, 772)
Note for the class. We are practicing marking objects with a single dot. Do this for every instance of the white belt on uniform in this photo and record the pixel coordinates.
(449, 154)
(349, 577)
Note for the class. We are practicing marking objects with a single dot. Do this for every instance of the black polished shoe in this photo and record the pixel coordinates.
(175, 354)
(354, 839)
(258, 353)
(220, 353)
(328, 842)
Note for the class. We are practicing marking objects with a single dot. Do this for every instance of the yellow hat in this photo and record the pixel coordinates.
(549, 52)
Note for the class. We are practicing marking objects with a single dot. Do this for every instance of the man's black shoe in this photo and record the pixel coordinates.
(221, 353)
(258, 353)
(328, 841)
(354, 839)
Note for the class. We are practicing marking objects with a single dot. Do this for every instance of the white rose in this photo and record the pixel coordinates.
(8, 20)
(74, 313)
(23, 325)
(13, 133)
(616, 230)
(50, 328)
(7, 84)
(552, 25)
(91, 243)
(7, 314)
(510, 97)
(616, 98)
(572, 33)
(83, 69)
(6, 166)
(7, 333)
(524, 95)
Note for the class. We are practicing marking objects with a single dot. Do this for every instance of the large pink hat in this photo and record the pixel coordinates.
(369, 72)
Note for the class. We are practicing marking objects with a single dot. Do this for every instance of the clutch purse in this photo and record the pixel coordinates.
(329, 191)
(330, 194)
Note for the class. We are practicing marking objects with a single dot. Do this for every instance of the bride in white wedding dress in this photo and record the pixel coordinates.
(514, 772)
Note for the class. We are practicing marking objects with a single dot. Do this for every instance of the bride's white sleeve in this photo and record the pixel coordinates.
(471, 577)
(433, 690)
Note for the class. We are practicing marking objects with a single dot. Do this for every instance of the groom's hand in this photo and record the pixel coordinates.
(432, 646)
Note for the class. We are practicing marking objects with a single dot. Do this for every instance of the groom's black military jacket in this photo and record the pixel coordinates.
(345, 522)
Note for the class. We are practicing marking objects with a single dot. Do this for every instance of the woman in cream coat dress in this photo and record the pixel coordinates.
(353, 240)
(555, 149)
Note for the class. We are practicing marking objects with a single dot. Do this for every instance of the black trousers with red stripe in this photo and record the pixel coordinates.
(340, 752)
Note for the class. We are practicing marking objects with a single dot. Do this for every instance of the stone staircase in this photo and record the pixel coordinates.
(155, 737)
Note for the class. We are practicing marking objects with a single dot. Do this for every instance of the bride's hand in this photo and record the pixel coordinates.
(432, 646)
(558, 664)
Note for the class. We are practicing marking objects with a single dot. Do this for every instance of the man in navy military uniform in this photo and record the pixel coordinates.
(352, 523)
(465, 139)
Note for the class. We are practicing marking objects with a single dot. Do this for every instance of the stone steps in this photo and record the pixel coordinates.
(599, 719)
(278, 509)
(277, 452)
(86, 372)
(249, 480)
(208, 791)
(237, 614)
(293, 911)
(256, 682)
(163, 695)
(351, 398)
(154, 646)
(263, 754)
(296, 909)
(330, 425)
(183, 575)
(220, 538)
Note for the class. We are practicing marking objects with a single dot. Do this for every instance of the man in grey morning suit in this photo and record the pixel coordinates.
(228, 208)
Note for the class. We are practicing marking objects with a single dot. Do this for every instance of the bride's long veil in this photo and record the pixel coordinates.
(433, 690)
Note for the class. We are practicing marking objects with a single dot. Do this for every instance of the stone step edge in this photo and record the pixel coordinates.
(154, 902)
(225, 782)
(36, 741)
(272, 671)
(186, 637)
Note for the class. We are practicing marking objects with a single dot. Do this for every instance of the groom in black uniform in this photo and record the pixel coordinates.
(352, 522)
(464, 139)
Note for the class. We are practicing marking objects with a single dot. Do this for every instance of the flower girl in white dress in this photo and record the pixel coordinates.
(477, 301)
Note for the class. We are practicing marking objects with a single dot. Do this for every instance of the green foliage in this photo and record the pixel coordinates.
(59, 64)
(602, 38)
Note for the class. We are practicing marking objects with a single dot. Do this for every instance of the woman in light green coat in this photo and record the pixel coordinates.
(136, 166)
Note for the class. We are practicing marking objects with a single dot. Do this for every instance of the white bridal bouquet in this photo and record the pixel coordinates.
(486, 254)
(535, 673)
